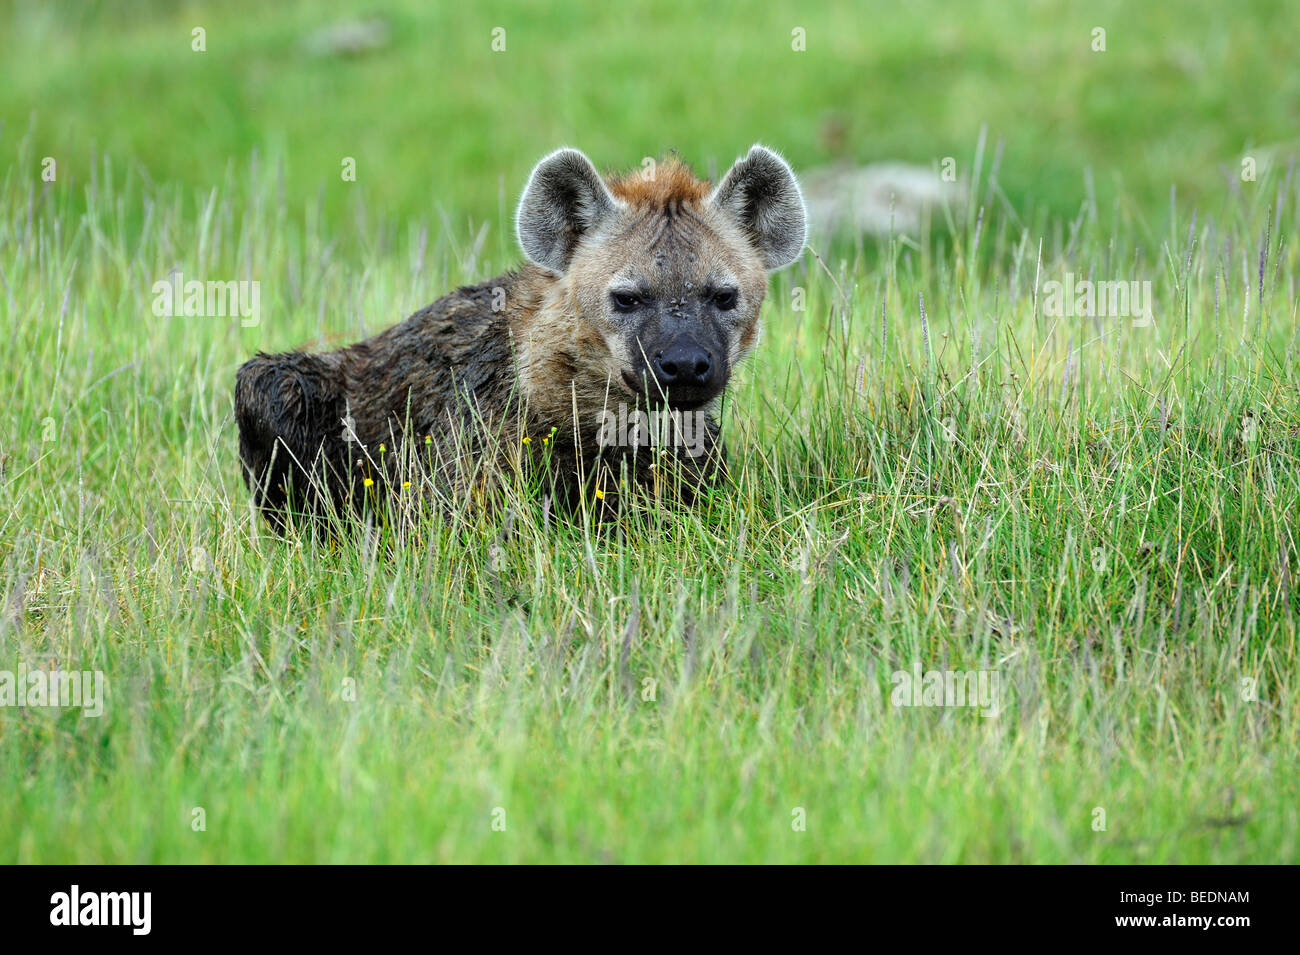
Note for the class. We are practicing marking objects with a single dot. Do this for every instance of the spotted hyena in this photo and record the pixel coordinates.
(640, 296)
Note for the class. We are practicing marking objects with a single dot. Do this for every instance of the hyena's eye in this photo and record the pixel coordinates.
(725, 299)
(624, 301)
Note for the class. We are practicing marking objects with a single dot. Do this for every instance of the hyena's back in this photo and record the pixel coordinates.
(311, 425)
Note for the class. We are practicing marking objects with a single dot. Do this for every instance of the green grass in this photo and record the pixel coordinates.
(1102, 514)
(439, 123)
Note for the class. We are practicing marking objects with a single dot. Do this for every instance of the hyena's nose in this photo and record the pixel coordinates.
(683, 364)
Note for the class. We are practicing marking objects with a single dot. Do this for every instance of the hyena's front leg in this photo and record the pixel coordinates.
(700, 459)
(687, 457)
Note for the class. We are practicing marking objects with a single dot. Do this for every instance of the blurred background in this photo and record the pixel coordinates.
(444, 106)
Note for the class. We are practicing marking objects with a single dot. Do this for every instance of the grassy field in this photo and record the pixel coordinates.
(930, 464)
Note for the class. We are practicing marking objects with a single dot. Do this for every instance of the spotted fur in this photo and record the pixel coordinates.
(539, 352)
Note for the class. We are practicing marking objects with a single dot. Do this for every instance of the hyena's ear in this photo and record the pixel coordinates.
(565, 200)
(761, 193)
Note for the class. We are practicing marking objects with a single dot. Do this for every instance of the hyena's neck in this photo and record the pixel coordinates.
(555, 378)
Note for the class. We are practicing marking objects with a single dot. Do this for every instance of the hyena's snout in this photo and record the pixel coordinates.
(684, 364)
(683, 369)
(683, 373)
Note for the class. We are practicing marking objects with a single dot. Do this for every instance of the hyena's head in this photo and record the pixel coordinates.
(666, 273)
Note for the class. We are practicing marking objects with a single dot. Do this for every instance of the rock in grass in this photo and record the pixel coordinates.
(876, 199)
(349, 38)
